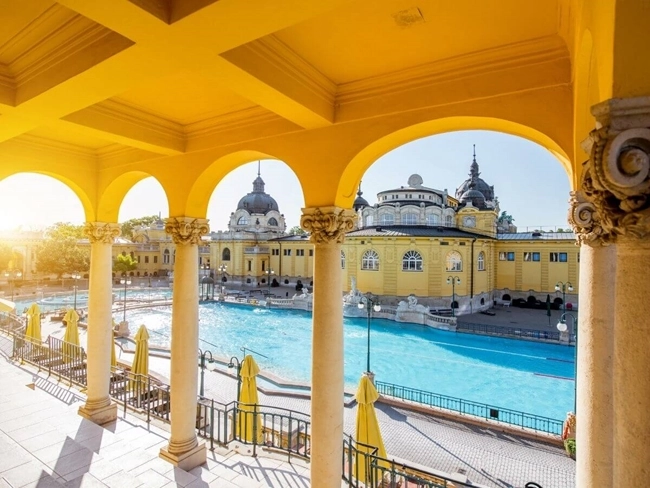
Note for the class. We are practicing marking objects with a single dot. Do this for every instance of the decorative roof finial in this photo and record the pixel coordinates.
(258, 167)
(359, 192)
(474, 160)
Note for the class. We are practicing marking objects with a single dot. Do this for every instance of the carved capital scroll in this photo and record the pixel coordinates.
(186, 230)
(327, 224)
(102, 232)
(614, 200)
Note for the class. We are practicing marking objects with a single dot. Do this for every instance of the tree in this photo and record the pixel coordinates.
(296, 231)
(124, 263)
(128, 226)
(60, 253)
(6, 257)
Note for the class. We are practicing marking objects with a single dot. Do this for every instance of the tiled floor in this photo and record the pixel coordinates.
(45, 444)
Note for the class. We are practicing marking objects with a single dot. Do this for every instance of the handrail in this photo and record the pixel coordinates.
(466, 407)
(508, 331)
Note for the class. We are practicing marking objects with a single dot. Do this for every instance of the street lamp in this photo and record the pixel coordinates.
(234, 361)
(11, 276)
(370, 303)
(202, 357)
(453, 281)
(562, 327)
(269, 272)
(75, 277)
(222, 270)
(564, 287)
(125, 281)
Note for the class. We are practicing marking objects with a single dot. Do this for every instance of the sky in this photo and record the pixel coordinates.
(529, 182)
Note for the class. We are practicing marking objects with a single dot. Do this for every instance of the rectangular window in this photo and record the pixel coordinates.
(300, 252)
(558, 257)
(511, 256)
(155, 260)
(138, 259)
(146, 260)
(443, 243)
(250, 265)
(263, 265)
(311, 252)
(503, 256)
(287, 252)
(275, 252)
(531, 256)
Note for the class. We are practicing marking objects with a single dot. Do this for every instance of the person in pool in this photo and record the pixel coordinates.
(569, 434)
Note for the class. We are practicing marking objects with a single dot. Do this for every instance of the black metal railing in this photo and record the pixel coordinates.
(465, 407)
(507, 331)
(141, 393)
(363, 467)
(273, 428)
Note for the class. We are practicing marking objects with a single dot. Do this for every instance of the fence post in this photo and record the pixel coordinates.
(289, 444)
(255, 430)
(212, 425)
(149, 402)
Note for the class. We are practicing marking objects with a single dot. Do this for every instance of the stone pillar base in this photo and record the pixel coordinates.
(101, 415)
(187, 460)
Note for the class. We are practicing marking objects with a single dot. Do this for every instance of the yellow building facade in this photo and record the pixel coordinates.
(103, 94)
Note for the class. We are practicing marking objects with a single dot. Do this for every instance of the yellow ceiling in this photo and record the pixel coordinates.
(185, 97)
(63, 133)
(15, 16)
(364, 40)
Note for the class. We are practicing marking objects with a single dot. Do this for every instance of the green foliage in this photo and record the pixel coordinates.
(60, 253)
(6, 257)
(124, 263)
(505, 217)
(128, 226)
(296, 231)
(570, 447)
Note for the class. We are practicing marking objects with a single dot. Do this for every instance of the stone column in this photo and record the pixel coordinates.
(183, 449)
(594, 383)
(616, 186)
(98, 407)
(327, 226)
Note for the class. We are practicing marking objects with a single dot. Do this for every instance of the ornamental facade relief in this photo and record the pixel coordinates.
(186, 230)
(102, 232)
(327, 224)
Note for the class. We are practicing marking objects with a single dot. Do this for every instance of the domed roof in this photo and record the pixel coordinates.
(475, 183)
(258, 202)
(476, 197)
(359, 202)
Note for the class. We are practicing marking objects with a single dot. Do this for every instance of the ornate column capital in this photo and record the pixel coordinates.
(327, 224)
(102, 232)
(614, 201)
(186, 230)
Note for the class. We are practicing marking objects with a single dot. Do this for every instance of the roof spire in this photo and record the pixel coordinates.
(474, 160)
(359, 193)
(258, 167)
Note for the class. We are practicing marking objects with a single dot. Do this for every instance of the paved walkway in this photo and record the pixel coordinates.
(522, 318)
(45, 444)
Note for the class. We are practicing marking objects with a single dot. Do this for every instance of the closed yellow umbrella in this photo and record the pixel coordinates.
(140, 364)
(71, 336)
(367, 427)
(113, 355)
(33, 331)
(247, 420)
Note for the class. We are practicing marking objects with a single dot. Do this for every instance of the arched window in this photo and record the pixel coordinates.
(481, 261)
(409, 219)
(243, 220)
(273, 222)
(369, 220)
(412, 261)
(387, 219)
(225, 255)
(370, 260)
(342, 260)
(432, 219)
(166, 256)
(449, 220)
(454, 261)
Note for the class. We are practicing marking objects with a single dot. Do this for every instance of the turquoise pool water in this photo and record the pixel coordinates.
(528, 376)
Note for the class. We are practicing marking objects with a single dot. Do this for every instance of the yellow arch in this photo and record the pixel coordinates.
(113, 195)
(368, 155)
(199, 196)
(86, 202)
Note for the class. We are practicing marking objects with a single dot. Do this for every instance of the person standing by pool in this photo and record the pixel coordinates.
(569, 434)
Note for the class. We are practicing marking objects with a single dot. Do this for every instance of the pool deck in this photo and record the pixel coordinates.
(487, 456)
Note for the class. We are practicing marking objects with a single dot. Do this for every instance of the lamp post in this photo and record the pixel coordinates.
(11, 275)
(370, 303)
(563, 287)
(222, 270)
(234, 361)
(75, 277)
(453, 281)
(269, 272)
(562, 327)
(202, 357)
(125, 281)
